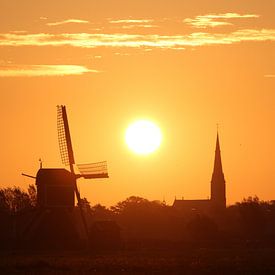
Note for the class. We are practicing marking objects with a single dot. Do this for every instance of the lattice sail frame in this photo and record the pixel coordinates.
(87, 171)
(62, 141)
(93, 170)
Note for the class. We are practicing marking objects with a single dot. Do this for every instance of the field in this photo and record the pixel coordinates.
(142, 261)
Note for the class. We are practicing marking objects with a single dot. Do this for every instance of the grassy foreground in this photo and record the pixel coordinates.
(142, 261)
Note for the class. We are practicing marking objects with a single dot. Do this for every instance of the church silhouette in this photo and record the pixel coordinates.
(217, 202)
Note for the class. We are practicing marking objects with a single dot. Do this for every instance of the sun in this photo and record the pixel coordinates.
(143, 137)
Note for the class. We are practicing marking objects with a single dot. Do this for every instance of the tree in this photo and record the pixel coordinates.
(100, 212)
(253, 216)
(32, 192)
(86, 205)
(131, 203)
(15, 200)
(143, 219)
(4, 207)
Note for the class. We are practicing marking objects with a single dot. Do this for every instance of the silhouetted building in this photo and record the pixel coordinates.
(55, 188)
(217, 201)
(55, 222)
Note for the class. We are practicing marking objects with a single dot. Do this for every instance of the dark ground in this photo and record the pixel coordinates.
(142, 261)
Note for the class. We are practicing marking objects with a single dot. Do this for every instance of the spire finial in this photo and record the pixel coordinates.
(218, 128)
(41, 163)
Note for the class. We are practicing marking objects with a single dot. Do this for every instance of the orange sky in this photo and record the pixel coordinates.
(185, 65)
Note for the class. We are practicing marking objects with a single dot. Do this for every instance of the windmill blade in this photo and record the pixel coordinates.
(66, 151)
(93, 170)
(64, 137)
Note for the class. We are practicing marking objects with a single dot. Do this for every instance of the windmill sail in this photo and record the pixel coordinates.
(66, 151)
(64, 137)
(93, 170)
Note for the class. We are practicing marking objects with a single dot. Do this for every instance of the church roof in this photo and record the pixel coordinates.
(191, 203)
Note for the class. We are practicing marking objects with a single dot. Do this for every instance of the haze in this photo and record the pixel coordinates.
(186, 66)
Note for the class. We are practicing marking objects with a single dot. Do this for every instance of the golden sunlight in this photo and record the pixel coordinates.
(143, 137)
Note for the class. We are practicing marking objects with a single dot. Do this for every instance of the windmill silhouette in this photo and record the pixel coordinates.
(87, 171)
(57, 188)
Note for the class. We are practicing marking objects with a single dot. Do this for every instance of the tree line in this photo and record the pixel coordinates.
(142, 219)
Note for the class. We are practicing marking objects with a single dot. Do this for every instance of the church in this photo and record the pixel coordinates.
(217, 201)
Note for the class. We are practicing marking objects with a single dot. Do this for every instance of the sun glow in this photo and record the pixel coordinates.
(143, 137)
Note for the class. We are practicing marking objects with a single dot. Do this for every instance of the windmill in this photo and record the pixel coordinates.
(87, 171)
(57, 187)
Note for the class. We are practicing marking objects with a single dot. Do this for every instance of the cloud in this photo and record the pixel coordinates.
(270, 75)
(139, 26)
(203, 23)
(131, 21)
(215, 20)
(134, 23)
(78, 21)
(42, 70)
(87, 40)
(123, 54)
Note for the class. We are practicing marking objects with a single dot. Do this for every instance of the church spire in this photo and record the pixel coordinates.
(218, 161)
(218, 181)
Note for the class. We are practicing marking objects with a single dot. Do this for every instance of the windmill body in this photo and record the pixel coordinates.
(55, 188)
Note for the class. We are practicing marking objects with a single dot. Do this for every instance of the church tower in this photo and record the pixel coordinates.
(218, 198)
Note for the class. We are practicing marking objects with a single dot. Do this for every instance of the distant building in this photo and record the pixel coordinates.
(217, 201)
